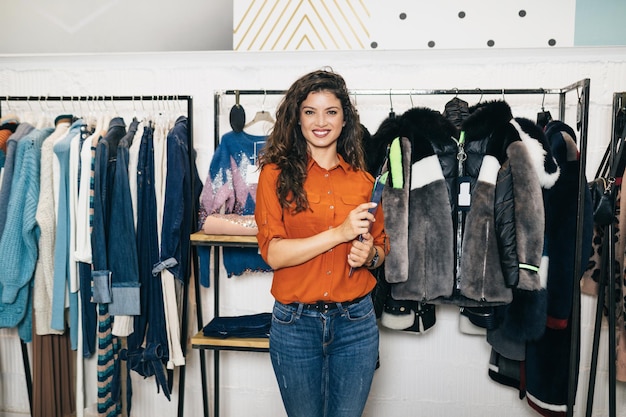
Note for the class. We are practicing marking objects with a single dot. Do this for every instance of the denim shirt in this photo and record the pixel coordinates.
(122, 249)
(179, 197)
(105, 163)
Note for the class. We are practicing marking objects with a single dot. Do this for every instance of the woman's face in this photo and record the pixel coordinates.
(321, 120)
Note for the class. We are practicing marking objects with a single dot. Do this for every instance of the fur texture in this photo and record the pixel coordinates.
(421, 217)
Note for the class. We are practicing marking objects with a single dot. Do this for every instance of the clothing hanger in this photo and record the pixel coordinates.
(262, 115)
(543, 117)
(456, 110)
(44, 119)
(392, 114)
(237, 115)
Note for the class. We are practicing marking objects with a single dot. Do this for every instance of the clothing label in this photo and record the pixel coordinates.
(464, 195)
(252, 174)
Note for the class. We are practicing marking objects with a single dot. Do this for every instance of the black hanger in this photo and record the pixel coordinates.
(392, 114)
(456, 110)
(543, 117)
(237, 115)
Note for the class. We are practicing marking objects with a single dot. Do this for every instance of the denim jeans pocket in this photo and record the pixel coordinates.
(282, 314)
(125, 300)
(101, 291)
(361, 311)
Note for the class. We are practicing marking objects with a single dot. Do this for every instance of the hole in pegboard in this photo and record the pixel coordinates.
(461, 14)
(522, 13)
(402, 16)
(552, 42)
(490, 43)
(431, 44)
(374, 45)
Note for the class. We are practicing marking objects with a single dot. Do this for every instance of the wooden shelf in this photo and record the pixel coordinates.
(200, 341)
(203, 239)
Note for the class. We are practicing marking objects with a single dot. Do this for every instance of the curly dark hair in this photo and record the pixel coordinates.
(287, 148)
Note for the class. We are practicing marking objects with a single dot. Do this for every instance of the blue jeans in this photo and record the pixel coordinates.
(324, 361)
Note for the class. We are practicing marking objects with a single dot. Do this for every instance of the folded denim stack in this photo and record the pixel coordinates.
(252, 325)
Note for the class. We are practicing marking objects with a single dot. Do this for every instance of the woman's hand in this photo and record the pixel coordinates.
(358, 222)
(356, 227)
(361, 250)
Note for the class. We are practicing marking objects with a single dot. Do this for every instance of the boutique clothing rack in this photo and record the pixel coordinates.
(103, 100)
(581, 87)
(613, 157)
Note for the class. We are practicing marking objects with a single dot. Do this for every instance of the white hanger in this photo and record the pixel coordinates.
(261, 116)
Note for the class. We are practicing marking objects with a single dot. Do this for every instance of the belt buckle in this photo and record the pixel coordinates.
(324, 306)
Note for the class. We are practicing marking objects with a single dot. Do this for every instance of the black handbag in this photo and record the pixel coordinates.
(603, 198)
(602, 188)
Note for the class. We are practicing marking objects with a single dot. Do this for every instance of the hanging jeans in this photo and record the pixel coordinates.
(151, 322)
(178, 211)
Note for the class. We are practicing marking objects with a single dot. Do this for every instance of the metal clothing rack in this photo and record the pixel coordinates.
(109, 99)
(606, 285)
(581, 87)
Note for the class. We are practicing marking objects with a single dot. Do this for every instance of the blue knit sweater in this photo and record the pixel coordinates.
(18, 243)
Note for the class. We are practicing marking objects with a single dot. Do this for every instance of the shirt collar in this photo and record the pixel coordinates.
(342, 163)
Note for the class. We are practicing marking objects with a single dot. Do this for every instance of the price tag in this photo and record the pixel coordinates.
(464, 195)
(252, 174)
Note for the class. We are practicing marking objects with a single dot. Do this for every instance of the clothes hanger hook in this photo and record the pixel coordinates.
(390, 102)
(543, 100)
(481, 94)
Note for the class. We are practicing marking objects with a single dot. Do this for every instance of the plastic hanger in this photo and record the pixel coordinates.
(237, 115)
(456, 110)
(543, 117)
(261, 116)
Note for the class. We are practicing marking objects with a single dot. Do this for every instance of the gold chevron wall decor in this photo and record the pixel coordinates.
(293, 25)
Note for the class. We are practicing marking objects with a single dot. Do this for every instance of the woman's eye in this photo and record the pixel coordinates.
(332, 112)
(308, 112)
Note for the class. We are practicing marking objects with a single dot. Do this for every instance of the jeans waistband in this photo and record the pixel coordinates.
(325, 306)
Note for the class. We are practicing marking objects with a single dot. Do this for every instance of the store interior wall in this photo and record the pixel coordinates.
(439, 373)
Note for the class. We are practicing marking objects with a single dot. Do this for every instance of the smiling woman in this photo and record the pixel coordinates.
(321, 121)
(314, 229)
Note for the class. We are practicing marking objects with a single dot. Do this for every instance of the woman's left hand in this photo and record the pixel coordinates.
(360, 250)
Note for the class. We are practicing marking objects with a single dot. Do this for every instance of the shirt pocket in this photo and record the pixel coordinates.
(348, 203)
(308, 222)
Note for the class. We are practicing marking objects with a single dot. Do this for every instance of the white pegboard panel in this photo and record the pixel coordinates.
(461, 24)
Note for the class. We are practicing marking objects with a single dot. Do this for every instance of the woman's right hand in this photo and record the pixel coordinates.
(358, 221)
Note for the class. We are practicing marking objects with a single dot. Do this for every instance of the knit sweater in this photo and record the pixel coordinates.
(7, 177)
(46, 219)
(19, 240)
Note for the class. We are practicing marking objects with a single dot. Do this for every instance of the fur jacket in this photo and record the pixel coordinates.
(464, 207)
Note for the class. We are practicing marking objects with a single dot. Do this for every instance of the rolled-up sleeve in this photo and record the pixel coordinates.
(268, 212)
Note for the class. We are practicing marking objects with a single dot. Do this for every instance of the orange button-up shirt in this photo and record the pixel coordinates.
(332, 194)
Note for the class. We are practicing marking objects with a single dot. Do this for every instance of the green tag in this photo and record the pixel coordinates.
(395, 164)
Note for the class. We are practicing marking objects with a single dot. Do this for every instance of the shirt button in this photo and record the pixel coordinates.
(326, 175)
(326, 294)
(332, 207)
(330, 192)
(330, 250)
(330, 227)
(328, 272)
